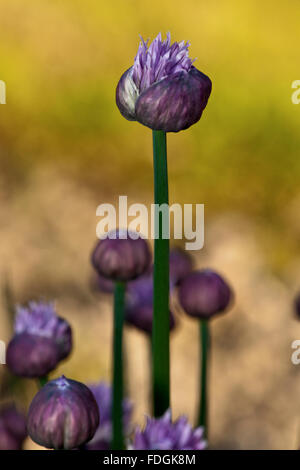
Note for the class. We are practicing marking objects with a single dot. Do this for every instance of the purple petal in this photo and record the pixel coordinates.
(175, 103)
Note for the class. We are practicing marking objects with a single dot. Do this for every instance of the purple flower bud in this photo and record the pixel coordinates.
(103, 436)
(41, 340)
(181, 264)
(163, 434)
(122, 256)
(204, 294)
(12, 428)
(63, 415)
(163, 90)
(31, 355)
(139, 304)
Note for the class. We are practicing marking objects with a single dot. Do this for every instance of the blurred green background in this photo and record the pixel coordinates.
(61, 61)
(65, 148)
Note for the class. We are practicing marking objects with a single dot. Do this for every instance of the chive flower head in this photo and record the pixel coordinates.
(163, 90)
(164, 434)
(41, 340)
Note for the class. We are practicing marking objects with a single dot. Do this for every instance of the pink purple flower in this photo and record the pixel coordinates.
(103, 435)
(165, 434)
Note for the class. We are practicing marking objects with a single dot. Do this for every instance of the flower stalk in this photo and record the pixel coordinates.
(117, 412)
(203, 403)
(161, 313)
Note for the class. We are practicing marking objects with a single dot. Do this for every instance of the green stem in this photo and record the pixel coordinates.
(117, 415)
(203, 406)
(42, 381)
(161, 320)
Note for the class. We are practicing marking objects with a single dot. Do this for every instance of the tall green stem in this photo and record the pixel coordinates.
(117, 415)
(203, 405)
(161, 320)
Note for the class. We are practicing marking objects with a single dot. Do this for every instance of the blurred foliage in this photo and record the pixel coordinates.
(61, 61)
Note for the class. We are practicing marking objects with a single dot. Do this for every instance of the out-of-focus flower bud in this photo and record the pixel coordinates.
(163, 434)
(139, 304)
(41, 340)
(122, 256)
(12, 428)
(181, 264)
(163, 90)
(63, 415)
(204, 294)
(103, 436)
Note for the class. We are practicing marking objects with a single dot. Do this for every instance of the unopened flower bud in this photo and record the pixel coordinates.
(41, 340)
(122, 256)
(204, 294)
(63, 415)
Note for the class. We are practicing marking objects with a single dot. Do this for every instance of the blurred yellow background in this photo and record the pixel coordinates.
(65, 148)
